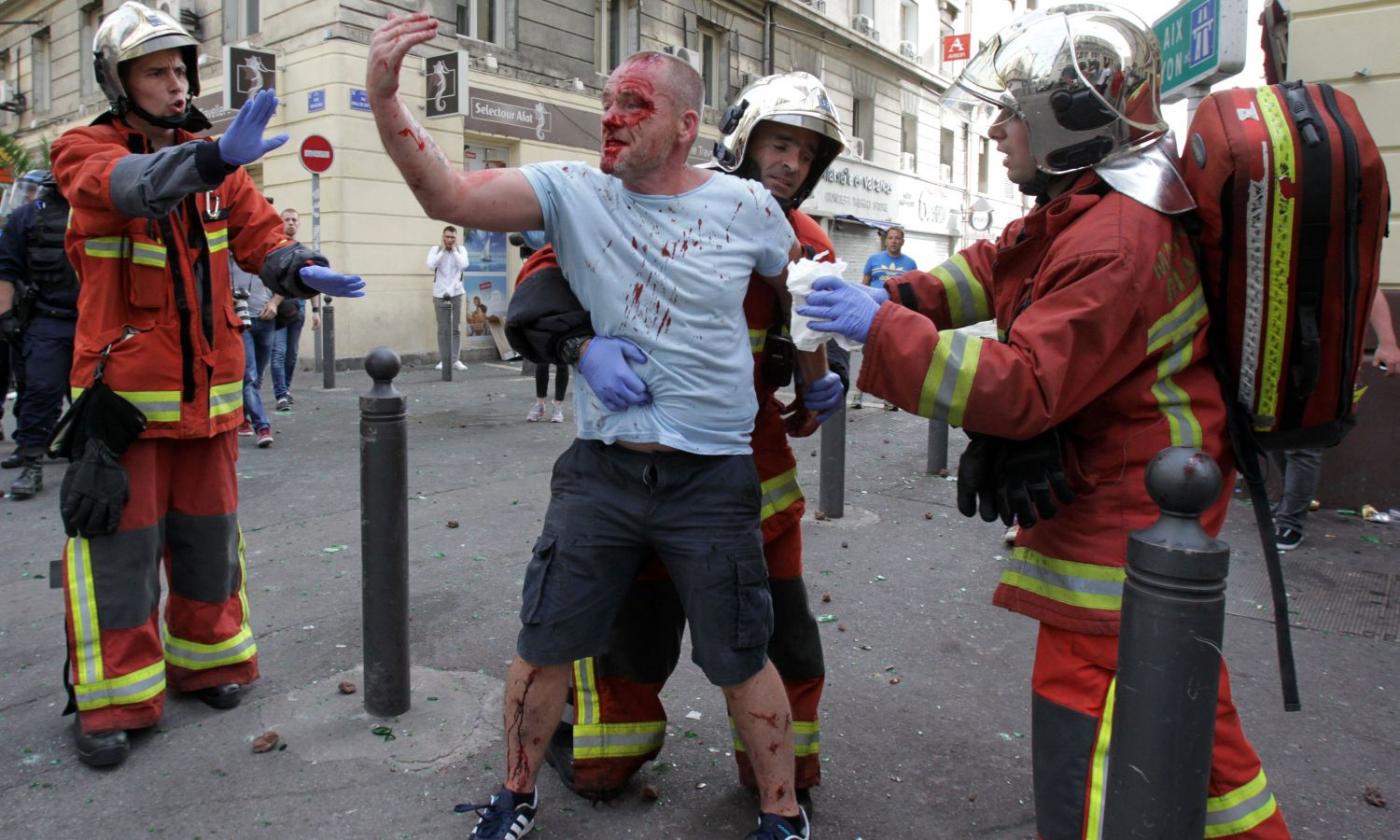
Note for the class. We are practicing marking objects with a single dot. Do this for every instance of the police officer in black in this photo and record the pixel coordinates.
(43, 312)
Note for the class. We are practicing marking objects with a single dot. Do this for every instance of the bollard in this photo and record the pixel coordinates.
(937, 447)
(328, 343)
(384, 537)
(444, 337)
(832, 496)
(1173, 620)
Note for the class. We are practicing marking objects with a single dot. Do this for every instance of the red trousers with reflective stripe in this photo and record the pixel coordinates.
(622, 700)
(177, 487)
(1071, 678)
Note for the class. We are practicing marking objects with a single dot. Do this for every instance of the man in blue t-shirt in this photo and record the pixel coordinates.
(882, 264)
(661, 254)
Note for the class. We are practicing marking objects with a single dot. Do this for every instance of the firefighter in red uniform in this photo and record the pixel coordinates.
(785, 133)
(1101, 362)
(155, 216)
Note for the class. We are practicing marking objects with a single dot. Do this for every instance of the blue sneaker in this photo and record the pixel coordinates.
(778, 827)
(503, 818)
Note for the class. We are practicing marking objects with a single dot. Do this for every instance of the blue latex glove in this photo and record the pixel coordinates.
(837, 306)
(243, 141)
(606, 365)
(332, 283)
(824, 396)
(877, 293)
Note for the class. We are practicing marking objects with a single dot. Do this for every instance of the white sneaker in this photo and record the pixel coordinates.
(458, 365)
(558, 416)
(536, 413)
(437, 366)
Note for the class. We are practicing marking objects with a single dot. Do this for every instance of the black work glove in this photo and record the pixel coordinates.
(1031, 480)
(93, 492)
(10, 328)
(977, 476)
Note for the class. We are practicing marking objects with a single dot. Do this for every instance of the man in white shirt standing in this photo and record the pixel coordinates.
(448, 261)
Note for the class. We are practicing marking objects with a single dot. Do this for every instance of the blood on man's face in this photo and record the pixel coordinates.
(639, 126)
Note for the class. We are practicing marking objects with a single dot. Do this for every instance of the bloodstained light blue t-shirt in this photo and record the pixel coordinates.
(882, 265)
(669, 273)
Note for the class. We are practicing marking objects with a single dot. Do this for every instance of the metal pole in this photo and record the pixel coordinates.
(1173, 620)
(384, 537)
(327, 307)
(832, 498)
(444, 336)
(937, 447)
(316, 244)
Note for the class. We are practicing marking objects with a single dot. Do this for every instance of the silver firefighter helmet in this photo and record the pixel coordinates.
(797, 99)
(128, 33)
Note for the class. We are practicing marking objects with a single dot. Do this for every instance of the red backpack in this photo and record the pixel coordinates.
(1293, 204)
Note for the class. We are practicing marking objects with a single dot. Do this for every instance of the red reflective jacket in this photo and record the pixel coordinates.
(1102, 322)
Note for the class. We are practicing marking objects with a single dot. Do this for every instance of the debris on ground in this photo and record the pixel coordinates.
(385, 732)
(347, 687)
(452, 523)
(841, 627)
(266, 742)
(820, 516)
(825, 618)
(649, 793)
(332, 549)
(826, 597)
(1373, 796)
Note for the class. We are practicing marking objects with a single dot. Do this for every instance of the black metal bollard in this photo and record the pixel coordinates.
(1168, 658)
(384, 537)
(832, 496)
(937, 447)
(328, 344)
(444, 337)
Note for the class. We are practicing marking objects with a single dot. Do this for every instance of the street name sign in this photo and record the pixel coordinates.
(1203, 41)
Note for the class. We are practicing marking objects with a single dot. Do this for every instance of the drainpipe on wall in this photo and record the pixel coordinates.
(768, 46)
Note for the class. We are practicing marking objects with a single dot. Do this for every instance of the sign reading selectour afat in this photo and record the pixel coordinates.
(1203, 41)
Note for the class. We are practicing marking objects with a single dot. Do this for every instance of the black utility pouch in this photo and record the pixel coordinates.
(778, 355)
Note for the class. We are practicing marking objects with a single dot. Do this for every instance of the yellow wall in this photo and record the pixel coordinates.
(1352, 45)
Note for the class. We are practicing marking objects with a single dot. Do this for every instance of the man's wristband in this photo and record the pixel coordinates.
(571, 347)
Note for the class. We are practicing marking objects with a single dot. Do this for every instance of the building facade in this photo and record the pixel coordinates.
(535, 71)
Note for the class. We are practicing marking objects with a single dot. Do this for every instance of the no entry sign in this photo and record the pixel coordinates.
(316, 154)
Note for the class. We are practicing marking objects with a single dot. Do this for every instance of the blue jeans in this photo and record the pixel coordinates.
(1299, 471)
(257, 349)
(284, 353)
(48, 354)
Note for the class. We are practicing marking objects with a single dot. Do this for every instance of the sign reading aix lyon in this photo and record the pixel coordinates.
(1203, 41)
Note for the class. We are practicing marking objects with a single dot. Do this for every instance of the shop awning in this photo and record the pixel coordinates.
(879, 224)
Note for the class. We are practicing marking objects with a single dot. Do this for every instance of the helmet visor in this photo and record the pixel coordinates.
(977, 108)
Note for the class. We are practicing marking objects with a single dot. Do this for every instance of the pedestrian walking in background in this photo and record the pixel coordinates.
(291, 318)
(448, 260)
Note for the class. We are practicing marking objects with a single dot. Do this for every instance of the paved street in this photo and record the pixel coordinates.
(926, 715)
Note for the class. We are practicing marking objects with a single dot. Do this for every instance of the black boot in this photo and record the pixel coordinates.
(221, 697)
(101, 749)
(30, 481)
(14, 459)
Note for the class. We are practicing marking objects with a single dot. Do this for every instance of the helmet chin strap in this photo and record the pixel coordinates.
(192, 119)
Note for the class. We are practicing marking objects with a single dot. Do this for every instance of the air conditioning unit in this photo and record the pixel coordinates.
(819, 5)
(689, 56)
(906, 49)
(864, 25)
(906, 161)
(855, 147)
(945, 173)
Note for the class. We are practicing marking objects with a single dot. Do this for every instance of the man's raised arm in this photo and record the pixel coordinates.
(492, 199)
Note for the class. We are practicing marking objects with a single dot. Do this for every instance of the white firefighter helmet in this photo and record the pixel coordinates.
(797, 99)
(130, 32)
(1083, 77)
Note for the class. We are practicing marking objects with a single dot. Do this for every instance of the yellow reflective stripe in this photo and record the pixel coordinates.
(1069, 582)
(949, 377)
(757, 340)
(218, 239)
(1098, 768)
(618, 740)
(82, 600)
(144, 253)
(779, 493)
(238, 648)
(1180, 324)
(226, 398)
(1174, 402)
(158, 406)
(806, 737)
(589, 708)
(136, 687)
(106, 247)
(1280, 258)
(1241, 809)
(967, 298)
